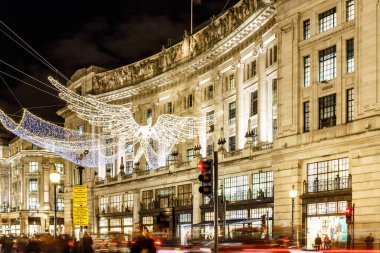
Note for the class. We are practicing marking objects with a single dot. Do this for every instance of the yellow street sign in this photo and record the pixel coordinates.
(80, 195)
(80, 216)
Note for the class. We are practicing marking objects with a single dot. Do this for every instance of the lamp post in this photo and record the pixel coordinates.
(293, 195)
(55, 178)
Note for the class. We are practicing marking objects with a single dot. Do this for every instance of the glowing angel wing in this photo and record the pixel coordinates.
(170, 129)
(116, 119)
(59, 140)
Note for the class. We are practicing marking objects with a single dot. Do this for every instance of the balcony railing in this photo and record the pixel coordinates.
(263, 146)
(259, 195)
(317, 185)
(173, 202)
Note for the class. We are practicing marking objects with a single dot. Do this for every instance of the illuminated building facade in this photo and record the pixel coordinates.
(26, 194)
(297, 84)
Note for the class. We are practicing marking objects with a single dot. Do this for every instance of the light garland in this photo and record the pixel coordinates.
(118, 126)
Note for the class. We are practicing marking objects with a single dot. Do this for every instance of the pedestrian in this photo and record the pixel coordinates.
(143, 244)
(369, 241)
(87, 243)
(317, 242)
(326, 242)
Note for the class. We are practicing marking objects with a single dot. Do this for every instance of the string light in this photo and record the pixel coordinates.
(118, 125)
(118, 120)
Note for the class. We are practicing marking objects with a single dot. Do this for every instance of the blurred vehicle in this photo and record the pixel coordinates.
(109, 243)
(197, 245)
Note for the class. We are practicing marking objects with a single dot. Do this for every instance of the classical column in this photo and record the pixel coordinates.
(262, 97)
(197, 202)
(136, 209)
(241, 117)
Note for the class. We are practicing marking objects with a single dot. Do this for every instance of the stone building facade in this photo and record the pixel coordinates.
(26, 193)
(297, 82)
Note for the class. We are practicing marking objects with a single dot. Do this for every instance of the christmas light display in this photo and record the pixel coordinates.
(118, 127)
(118, 120)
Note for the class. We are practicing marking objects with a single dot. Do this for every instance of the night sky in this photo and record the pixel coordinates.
(74, 34)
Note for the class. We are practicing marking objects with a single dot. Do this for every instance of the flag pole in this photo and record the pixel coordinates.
(191, 18)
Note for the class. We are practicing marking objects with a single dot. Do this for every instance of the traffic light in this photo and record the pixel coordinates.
(205, 177)
(349, 215)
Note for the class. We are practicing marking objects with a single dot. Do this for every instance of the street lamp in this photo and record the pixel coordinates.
(293, 195)
(55, 178)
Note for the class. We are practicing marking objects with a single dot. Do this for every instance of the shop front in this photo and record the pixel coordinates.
(334, 227)
(184, 227)
(327, 219)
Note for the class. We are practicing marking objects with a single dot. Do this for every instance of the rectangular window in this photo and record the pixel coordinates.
(115, 203)
(33, 186)
(185, 195)
(59, 168)
(210, 92)
(169, 108)
(306, 117)
(274, 129)
(262, 185)
(274, 92)
(232, 143)
(103, 204)
(350, 105)
(327, 64)
(327, 20)
(210, 128)
(190, 101)
(185, 218)
(109, 170)
(327, 111)
(147, 199)
(61, 187)
(306, 71)
(236, 188)
(33, 166)
(128, 167)
(189, 155)
(328, 175)
(60, 204)
(250, 70)
(33, 203)
(128, 202)
(306, 29)
(254, 101)
(231, 113)
(237, 214)
(350, 10)
(350, 55)
(232, 82)
(165, 197)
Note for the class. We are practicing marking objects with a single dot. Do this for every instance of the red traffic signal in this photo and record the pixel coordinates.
(205, 177)
(349, 213)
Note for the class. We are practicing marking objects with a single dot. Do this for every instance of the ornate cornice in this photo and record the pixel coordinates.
(239, 38)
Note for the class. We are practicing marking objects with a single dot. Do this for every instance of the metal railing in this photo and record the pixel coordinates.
(260, 194)
(317, 185)
(172, 202)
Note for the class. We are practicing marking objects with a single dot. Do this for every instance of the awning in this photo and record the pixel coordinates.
(205, 223)
(247, 221)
